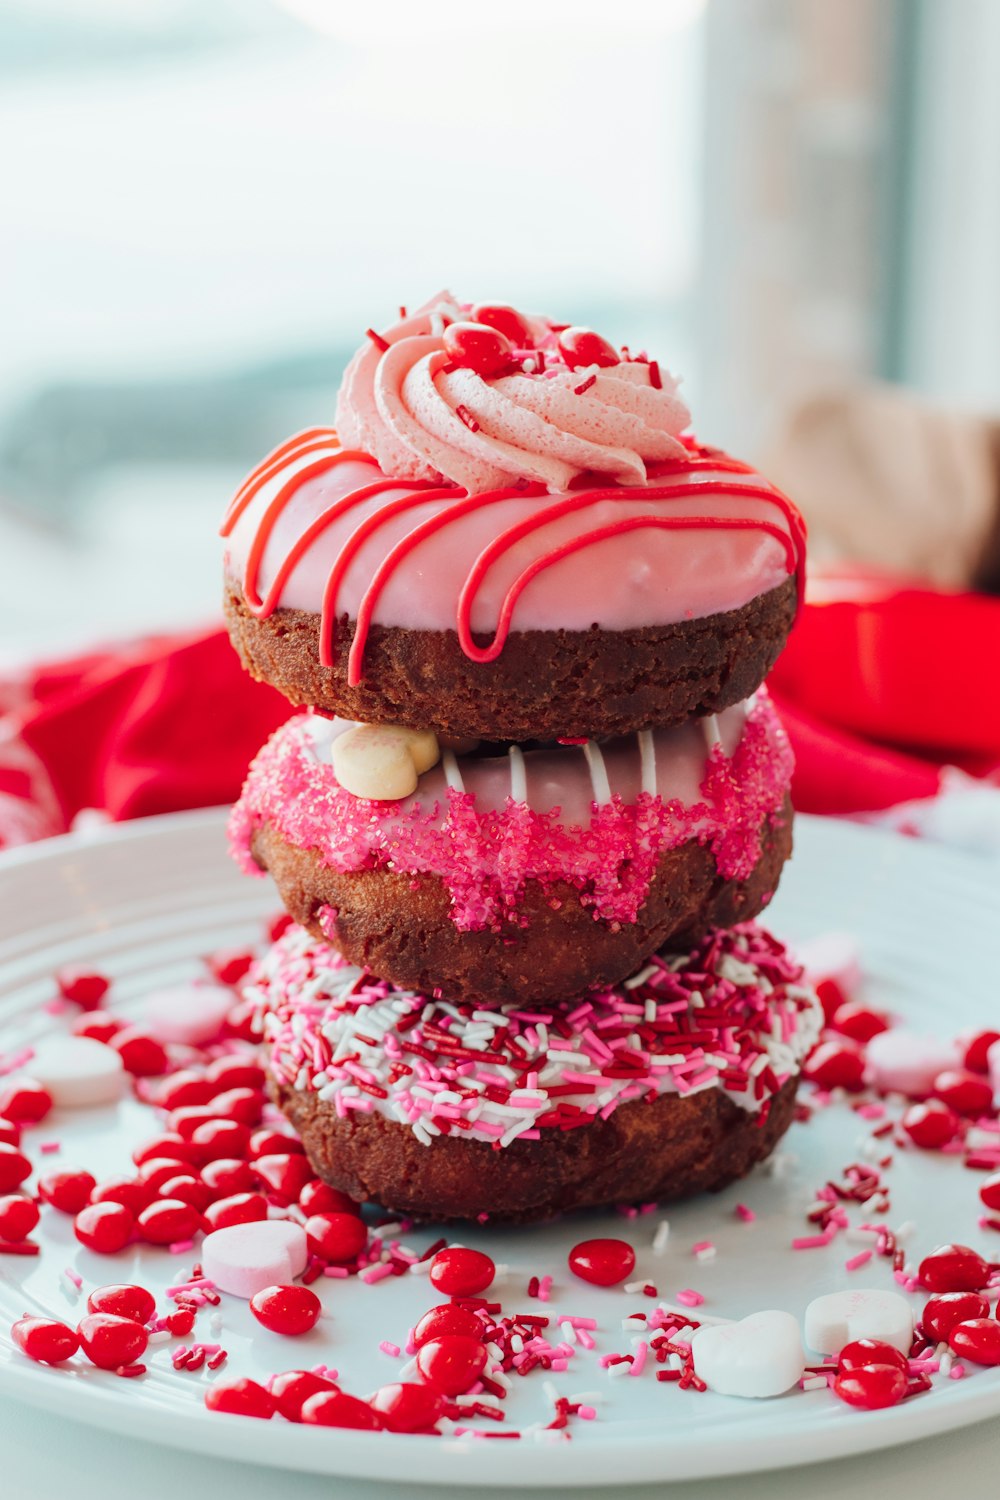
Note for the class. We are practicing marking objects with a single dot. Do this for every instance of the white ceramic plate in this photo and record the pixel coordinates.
(144, 901)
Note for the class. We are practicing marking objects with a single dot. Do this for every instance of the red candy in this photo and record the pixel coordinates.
(218, 1138)
(337, 1238)
(858, 1021)
(461, 1272)
(447, 1320)
(506, 320)
(45, 1340)
(188, 1189)
(167, 1147)
(283, 1176)
(240, 1398)
(123, 1301)
(109, 1341)
(126, 1190)
(241, 1104)
(407, 1408)
(862, 1353)
(104, 1227)
(234, 1072)
(476, 346)
(581, 346)
(930, 1125)
(831, 997)
(230, 964)
(158, 1170)
(274, 1143)
(954, 1268)
(240, 1208)
(941, 1313)
(25, 1103)
(977, 1340)
(97, 1026)
(85, 987)
(337, 1409)
(989, 1191)
(835, 1065)
(168, 1221)
(292, 1389)
(452, 1363)
(15, 1168)
(602, 1262)
(10, 1132)
(977, 1047)
(963, 1092)
(18, 1217)
(141, 1054)
(228, 1176)
(67, 1191)
(290, 1310)
(872, 1386)
(185, 1089)
(318, 1198)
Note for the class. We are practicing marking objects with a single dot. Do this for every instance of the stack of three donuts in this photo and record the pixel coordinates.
(523, 847)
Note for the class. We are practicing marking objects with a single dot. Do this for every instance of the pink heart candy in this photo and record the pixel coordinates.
(903, 1062)
(246, 1258)
(832, 955)
(188, 1014)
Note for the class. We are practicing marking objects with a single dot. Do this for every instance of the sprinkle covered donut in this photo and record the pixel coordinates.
(679, 1080)
(509, 535)
(534, 874)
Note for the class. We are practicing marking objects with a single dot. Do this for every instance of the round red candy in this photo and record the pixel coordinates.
(931, 1124)
(158, 1170)
(244, 1105)
(831, 997)
(141, 1054)
(25, 1102)
(241, 1208)
(129, 1191)
(230, 964)
(451, 1363)
(977, 1049)
(336, 1238)
(97, 1026)
(836, 1065)
(84, 987)
(966, 1093)
(45, 1340)
(15, 1168)
(602, 1262)
(447, 1320)
(104, 1227)
(319, 1198)
(185, 1089)
(872, 1386)
(168, 1221)
(124, 1301)
(857, 1021)
(477, 347)
(240, 1398)
(234, 1071)
(942, 1312)
(290, 1310)
(111, 1342)
(582, 346)
(954, 1268)
(227, 1176)
(989, 1191)
(166, 1147)
(458, 1272)
(218, 1138)
(338, 1409)
(860, 1353)
(269, 1142)
(67, 1191)
(506, 320)
(977, 1340)
(10, 1132)
(283, 1176)
(293, 1388)
(407, 1408)
(18, 1217)
(188, 1189)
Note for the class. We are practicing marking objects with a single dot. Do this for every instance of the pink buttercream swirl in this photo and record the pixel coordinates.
(403, 401)
(485, 856)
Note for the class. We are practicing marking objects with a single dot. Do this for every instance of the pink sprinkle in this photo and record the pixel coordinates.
(390, 1349)
(375, 1273)
(702, 1245)
(181, 1247)
(812, 1241)
(48, 1148)
(857, 1261)
(544, 1287)
(957, 1372)
(72, 1276)
(336, 1272)
(587, 1413)
(639, 1358)
(584, 1339)
(577, 1322)
(747, 1215)
(689, 1298)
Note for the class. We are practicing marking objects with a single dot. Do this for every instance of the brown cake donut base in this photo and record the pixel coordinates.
(546, 684)
(668, 1148)
(398, 925)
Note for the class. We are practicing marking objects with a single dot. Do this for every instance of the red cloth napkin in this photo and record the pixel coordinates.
(879, 691)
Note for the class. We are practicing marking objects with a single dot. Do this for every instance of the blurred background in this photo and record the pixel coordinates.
(205, 204)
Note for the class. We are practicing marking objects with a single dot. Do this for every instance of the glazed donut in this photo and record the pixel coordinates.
(680, 1080)
(522, 548)
(537, 874)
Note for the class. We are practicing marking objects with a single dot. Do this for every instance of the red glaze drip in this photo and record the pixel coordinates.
(324, 441)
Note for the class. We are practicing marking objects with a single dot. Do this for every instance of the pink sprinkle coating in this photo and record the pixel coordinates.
(731, 1014)
(486, 857)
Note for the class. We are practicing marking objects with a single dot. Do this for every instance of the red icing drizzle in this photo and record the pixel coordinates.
(324, 441)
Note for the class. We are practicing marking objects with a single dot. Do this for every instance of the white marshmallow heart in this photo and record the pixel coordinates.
(188, 1013)
(838, 1318)
(246, 1258)
(383, 761)
(758, 1357)
(77, 1071)
(832, 955)
(902, 1062)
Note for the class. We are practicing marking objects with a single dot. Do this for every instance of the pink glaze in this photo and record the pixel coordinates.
(734, 1014)
(590, 815)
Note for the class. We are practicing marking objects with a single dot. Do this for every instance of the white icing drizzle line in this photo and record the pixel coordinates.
(518, 774)
(711, 731)
(452, 774)
(598, 773)
(647, 760)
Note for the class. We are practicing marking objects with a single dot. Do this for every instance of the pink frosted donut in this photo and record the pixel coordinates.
(531, 550)
(540, 873)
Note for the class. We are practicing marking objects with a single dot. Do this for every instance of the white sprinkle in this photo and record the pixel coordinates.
(598, 773)
(661, 1237)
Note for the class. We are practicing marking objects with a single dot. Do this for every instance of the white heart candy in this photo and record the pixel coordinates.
(840, 1317)
(246, 1258)
(383, 761)
(761, 1356)
(902, 1062)
(78, 1071)
(189, 1013)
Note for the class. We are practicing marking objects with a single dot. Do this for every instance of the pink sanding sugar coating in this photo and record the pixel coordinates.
(732, 1014)
(487, 854)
